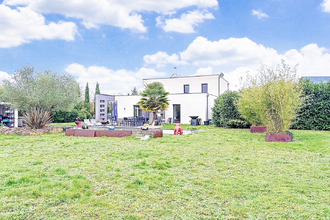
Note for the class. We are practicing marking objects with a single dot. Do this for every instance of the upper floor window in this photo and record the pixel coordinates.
(185, 88)
(204, 88)
(102, 101)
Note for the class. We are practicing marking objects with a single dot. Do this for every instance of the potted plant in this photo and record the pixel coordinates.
(277, 96)
(78, 123)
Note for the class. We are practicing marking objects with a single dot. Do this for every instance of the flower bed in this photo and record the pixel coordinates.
(29, 131)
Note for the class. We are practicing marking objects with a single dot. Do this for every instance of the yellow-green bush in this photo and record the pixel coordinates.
(249, 105)
(272, 96)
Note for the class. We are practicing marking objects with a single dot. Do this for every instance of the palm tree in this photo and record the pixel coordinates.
(154, 98)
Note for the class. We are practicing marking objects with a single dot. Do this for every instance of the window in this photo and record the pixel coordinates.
(204, 88)
(102, 101)
(185, 88)
(176, 113)
(102, 106)
(137, 111)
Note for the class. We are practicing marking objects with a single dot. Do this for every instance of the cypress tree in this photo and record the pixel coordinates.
(97, 88)
(87, 100)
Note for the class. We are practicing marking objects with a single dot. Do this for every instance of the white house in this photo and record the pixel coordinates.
(189, 96)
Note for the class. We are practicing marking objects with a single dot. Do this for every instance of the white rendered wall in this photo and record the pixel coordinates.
(175, 85)
(190, 104)
(125, 105)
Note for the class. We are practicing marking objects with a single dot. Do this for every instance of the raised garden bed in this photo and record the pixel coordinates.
(258, 129)
(113, 133)
(278, 137)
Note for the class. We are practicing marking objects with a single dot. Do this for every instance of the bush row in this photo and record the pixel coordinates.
(314, 113)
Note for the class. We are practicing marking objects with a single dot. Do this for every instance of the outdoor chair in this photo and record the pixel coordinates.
(88, 122)
(120, 121)
(95, 123)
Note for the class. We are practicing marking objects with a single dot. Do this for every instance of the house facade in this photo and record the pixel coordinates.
(189, 96)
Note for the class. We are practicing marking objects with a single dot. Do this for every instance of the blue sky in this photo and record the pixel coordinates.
(118, 43)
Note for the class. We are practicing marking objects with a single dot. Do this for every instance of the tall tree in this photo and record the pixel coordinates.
(87, 103)
(154, 98)
(38, 94)
(97, 88)
(134, 91)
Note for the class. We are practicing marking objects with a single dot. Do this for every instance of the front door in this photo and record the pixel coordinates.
(176, 113)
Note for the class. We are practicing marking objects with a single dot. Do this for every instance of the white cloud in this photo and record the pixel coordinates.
(161, 59)
(119, 13)
(3, 76)
(24, 25)
(186, 23)
(227, 52)
(237, 56)
(326, 5)
(111, 81)
(259, 14)
(311, 60)
(204, 71)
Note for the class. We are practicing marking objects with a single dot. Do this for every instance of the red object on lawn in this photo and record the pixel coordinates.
(79, 124)
(178, 130)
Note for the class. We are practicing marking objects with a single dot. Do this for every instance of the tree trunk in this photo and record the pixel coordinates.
(154, 115)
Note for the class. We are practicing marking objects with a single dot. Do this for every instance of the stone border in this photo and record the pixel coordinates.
(155, 133)
(278, 137)
(258, 129)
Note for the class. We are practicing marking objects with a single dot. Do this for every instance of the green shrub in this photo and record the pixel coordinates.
(280, 96)
(63, 116)
(225, 111)
(237, 123)
(249, 105)
(84, 114)
(314, 113)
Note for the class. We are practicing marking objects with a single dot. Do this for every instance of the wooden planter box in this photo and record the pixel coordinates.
(278, 137)
(258, 129)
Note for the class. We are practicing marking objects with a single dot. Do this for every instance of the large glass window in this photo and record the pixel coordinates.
(204, 88)
(176, 113)
(186, 88)
(137, 111)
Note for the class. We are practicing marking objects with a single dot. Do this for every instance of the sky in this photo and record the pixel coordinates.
(120, 42)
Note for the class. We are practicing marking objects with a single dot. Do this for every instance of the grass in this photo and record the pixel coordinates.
(216, 173)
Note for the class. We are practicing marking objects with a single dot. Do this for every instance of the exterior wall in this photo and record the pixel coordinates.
(101, 104)
(190, 105)
(175, 85)
(125, 105)
(194, 103)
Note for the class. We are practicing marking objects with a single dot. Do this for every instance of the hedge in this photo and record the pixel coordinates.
(314, 113)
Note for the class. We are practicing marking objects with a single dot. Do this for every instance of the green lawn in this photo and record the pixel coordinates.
(213, 174)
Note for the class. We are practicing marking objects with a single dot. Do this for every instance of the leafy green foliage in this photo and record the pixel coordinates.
(34, 93)
(134, 91)
(87, 104)
(225, 112)
(272, 97)
(314, 113)
(249, 105)
(37, 118)
(280, 98)
(84, 114)
(97, 88)
(154, 98)
(49, 91)
(63, 116)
